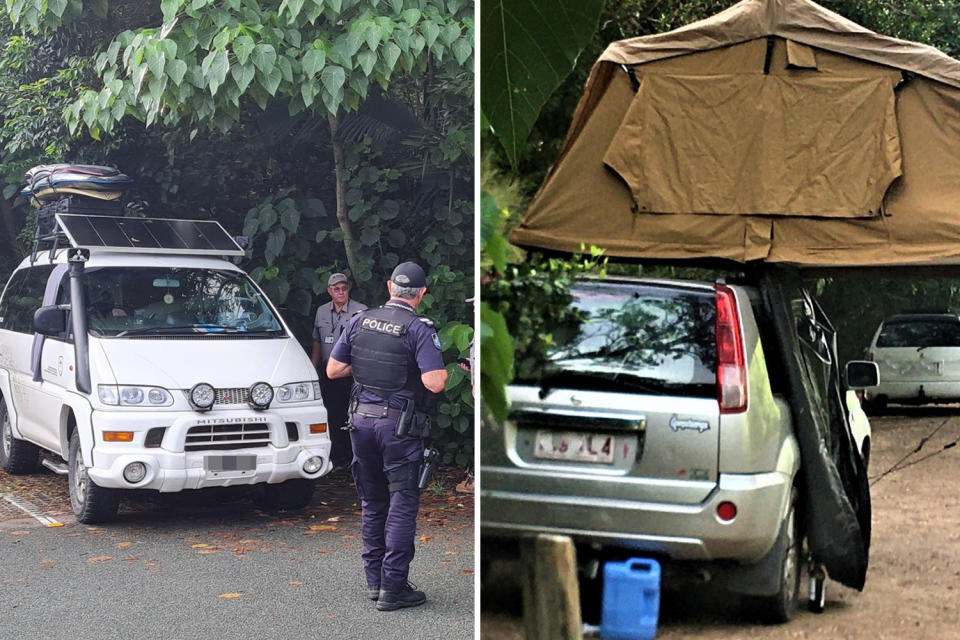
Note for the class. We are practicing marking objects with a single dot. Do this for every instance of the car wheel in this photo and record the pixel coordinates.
(17, 456)
(91, 503)
(292, 494)
(781, 606)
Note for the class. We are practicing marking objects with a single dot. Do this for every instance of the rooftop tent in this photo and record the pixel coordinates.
(774, 131)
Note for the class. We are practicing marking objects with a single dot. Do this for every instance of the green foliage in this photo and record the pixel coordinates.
(529, 48)
(533, 297)
(208, 57)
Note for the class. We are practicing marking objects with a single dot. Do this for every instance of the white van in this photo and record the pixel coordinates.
(145, 360)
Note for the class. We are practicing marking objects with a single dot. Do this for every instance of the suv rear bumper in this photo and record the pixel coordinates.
(677, 531)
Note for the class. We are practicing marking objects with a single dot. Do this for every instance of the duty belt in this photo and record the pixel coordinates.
(375, 411)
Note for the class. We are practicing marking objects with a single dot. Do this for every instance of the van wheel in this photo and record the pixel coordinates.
(91, 503)
(780, 607)
(17, 456)
(291, 494)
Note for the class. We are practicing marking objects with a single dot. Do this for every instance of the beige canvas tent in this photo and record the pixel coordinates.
(775, 130)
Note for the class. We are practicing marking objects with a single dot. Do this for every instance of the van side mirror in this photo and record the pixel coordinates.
(861, 374)
(52, 320)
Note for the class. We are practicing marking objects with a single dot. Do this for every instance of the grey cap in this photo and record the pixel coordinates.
(337, 278)
(409, 274)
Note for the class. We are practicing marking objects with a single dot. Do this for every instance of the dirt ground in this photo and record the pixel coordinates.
(913, 582)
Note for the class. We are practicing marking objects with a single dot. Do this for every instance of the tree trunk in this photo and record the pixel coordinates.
(551, 596)
(339, 171)
(8, 229)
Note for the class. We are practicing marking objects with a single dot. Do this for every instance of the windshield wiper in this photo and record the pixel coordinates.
(193, 328)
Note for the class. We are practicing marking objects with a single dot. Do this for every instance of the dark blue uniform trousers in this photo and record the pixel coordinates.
(389, 517)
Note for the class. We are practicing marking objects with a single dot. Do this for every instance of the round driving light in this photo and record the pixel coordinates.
(131, 395)
(726, 511)
(261, 395)
(313, 464)
(134, 472)
(202, 396)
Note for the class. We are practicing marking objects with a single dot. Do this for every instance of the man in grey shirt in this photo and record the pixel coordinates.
(329, 324)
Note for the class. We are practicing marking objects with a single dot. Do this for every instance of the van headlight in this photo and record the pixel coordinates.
(261, 395)
(298, 392)
(130, 396)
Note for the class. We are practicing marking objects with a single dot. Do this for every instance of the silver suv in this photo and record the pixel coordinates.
(660, 423)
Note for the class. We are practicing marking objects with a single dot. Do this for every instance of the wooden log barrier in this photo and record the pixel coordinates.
(551, 596)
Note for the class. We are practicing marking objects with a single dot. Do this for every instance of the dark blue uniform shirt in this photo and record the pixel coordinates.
(420, 341)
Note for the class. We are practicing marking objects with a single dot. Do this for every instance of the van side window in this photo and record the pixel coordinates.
(23, 297)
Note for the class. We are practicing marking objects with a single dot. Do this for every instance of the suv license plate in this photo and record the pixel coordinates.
(574, 446)
(229, 463)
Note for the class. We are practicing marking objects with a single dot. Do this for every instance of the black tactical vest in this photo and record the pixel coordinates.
(381, 363)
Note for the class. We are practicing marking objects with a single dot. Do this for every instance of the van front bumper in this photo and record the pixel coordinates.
(676, 531)
(175, 465)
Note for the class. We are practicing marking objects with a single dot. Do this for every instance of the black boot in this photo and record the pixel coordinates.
(400, 598)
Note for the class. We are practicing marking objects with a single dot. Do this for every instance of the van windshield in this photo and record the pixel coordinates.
(134, 301)
(637, 337)
(916, 332)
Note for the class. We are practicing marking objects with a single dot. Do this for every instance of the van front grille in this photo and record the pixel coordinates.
(231, 396)
(241, 435)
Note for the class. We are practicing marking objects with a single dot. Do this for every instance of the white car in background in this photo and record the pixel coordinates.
(919, 360)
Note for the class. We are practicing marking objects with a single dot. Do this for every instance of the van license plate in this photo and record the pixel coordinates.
(229, 463)
(575, 447)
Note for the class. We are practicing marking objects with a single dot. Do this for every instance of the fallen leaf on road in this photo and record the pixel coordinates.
(296, 583)
(230, 595)
(334, 519)
(349, 537)
(19, 533)
(48, 561)
(324, 551)
(323, 527)
(12, 580)
(467, 571)
(450, 553)
(123, 545)
(206, 552)
(424, 538)
(100, 559)
(199, 546)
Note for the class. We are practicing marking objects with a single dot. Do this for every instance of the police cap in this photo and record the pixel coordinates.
(409, 274)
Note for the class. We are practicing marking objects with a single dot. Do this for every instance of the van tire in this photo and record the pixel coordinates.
(91, 503)
(289, 495)
(17, 456)
(782, 606)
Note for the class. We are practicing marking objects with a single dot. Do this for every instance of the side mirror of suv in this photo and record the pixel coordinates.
(861, 374)
(52, 320)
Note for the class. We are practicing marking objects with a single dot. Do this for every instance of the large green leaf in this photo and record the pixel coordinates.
(496, 354)
(529, 47)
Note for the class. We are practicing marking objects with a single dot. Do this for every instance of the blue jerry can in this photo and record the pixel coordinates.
(631, 599)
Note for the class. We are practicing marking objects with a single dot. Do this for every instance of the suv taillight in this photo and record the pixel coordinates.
(731, 363)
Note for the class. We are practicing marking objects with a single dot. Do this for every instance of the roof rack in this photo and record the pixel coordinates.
(132, 235)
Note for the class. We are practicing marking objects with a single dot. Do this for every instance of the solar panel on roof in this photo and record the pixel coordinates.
(152, 235)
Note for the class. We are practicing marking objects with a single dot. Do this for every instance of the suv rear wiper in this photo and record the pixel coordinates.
(550, 380)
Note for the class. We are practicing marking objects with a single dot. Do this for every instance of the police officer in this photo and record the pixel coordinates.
(395, 358)
(328, 325)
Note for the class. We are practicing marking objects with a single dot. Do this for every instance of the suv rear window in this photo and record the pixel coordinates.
(638, 337)
(920, 332)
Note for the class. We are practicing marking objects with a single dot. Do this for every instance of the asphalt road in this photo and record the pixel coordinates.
(215, 566)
